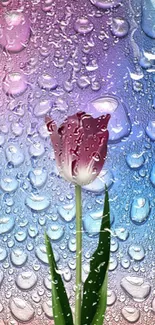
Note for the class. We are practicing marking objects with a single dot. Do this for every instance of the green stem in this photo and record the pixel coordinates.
(78, 255)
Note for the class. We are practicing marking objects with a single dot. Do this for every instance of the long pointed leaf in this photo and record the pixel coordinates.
(101, 308)
(61, 309)
(98, 270)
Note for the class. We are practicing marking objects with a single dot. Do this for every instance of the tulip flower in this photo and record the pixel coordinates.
(80, 146)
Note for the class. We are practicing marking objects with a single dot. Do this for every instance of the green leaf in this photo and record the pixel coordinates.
(95, 286)
(61, 309)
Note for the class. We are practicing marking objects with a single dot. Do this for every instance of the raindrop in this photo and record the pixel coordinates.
(47, 308)
(36, 150)
(55, 232)
(150, 130)
(131, 314)
(83, 25)
(122, 233)
(72, 244)
(3, 254)
(17, 129)
(47, 82)
(136, 288)
(26, 280)
(41, 253)
(111, 297)
(148, 18)
(37, 203)
(136, 252)
(152, 176)
(135, 161)
(21, 236)
(105, 4)
(38, 177)
(83, 82)
(125, 262)
(42, 108)
(14, 84)
(18, 257)
(21, 309)
(140, 210)
(153, 305)
(67, 212)
(119, 27)
(14, 155)
(6, 224)
(15, 31)
(9, 184)
(113, 263)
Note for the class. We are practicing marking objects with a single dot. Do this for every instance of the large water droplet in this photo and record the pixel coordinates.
(119, 27)
(136, 288)
(152, 175)
(98, 185)
(9, 184)
(119, 124)
(14, 84)
(136, 252)
(3, 254)
(150, 130)
(131, 314)
(148, 17)
(21, 309)
(38, 177)
(42, 108)
(15, 31)
(18, 257)
(47, 82)
(47, 308)
(67, 212)
(37, 203)
(111, 297)
(55, 232)
(26, 280)
(140, 210)
(83, 25)
(134, 160)
(105, 4)
(14, 155)
(122, 233)
(6, 224)
(36, 149)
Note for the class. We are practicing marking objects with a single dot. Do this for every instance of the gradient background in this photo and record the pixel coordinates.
(97, 60)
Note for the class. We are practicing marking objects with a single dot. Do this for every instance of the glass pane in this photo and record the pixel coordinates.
(58, 58)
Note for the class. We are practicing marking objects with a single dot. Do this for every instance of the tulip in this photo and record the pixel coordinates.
(80, 145)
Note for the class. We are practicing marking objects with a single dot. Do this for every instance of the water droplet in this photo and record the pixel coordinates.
(36, 149)
(98, 185)
(17, 129)
(134, 160)
(67, 275)
(38, 177)
(122, 233)
(35, 297)
(153, 305)
(150, 130)
(111, 297)
(14, 155)
(55, 232)
(14, 84)
(41, 253)
(26, 280)
(18, 257)
(42, 108)
(152, 175)
(32, 231)
(72, 244)
(119, 27)
(21, 309)
(9, 184)
(136, 252)
(2, 139)
(148, 18)
(47, 308)
(47, 82)
(113, 263)
(47, 282)
(114, 245)
(3, 254)
(15, 31)
(131, 314)
(105, 4)
(83, 82)
(140, 210)
(37, 203)
(83, 25)
(6, 224)
(136, 288)
(21, 236)
(67, 212)
(119, 124)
